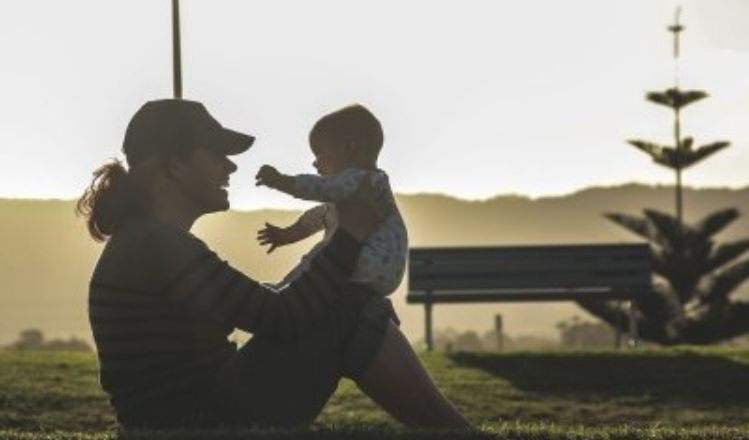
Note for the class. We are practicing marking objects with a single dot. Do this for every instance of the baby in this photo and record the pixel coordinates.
(346, 144)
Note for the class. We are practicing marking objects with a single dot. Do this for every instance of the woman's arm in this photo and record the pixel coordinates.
(203, 283)
(193, 276)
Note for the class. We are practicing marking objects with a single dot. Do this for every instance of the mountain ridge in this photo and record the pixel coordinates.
(48, 257)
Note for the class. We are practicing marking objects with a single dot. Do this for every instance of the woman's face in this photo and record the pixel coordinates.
(204, 177)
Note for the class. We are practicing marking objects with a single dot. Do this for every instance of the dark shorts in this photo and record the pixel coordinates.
(287, 383)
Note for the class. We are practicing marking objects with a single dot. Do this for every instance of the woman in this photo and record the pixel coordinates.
(161, 304)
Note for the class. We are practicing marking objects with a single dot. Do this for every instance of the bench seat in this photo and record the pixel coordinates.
(569, 272)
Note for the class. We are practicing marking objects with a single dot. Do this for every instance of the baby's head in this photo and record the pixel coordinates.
(349, 137)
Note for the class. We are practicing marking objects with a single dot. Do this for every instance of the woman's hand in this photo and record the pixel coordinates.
(360, 214)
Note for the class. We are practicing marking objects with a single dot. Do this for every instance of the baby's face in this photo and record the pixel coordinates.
(330, 157)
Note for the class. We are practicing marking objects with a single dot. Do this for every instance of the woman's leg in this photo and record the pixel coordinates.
(397, 381)
(287, 383)
(271, 383)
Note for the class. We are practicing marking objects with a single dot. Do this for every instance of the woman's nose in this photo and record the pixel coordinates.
(230, 165)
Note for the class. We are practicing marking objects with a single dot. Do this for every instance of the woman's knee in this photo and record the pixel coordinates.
(367, 336)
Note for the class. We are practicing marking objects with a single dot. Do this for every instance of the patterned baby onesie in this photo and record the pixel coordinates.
(382, 260)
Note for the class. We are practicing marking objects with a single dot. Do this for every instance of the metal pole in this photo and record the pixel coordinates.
(676, 29)
(499, 332)
(618, 332)
(428, 321)
(176, 51)
(633, 336)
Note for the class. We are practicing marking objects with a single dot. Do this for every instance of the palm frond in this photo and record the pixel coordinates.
(692, 157)
(637, 225)
(661, 155)
(670, 231)
(727, 252)
(670, 158)
(714, 222)
(661, 262)
(674, 98)
(652, 149)
(725, 282)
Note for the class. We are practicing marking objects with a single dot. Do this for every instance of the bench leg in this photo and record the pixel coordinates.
(618, 326)
(632, 323)
(428, 323)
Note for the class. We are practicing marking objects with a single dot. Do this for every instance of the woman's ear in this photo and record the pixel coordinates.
(174, 167)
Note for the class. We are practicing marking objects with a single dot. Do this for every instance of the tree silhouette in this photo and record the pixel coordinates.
(681, 155)
(694, 275)
(33, 339)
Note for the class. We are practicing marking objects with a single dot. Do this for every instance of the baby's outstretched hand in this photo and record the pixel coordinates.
(268, 176)
(272, 235)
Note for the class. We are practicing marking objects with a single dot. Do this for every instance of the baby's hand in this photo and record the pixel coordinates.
(274, 236)
(268, 176)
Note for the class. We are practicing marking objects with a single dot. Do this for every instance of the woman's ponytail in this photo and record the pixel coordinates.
(112, 197)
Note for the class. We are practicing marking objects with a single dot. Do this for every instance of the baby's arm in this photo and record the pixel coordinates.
(269, 176)
(310, 222)
(331, 189)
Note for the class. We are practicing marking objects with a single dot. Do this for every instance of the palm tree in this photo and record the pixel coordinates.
(681, 155)
(695, 276)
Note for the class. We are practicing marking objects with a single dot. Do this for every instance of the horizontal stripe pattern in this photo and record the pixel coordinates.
(161, 339)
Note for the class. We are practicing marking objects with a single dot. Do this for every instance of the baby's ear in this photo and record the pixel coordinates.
(349, 146)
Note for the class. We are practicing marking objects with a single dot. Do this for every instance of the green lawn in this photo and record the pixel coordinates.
(643, 394)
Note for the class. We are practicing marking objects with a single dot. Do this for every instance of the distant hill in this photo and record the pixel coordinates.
(47, 256)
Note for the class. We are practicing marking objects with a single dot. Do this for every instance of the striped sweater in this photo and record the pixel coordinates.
(161, 305)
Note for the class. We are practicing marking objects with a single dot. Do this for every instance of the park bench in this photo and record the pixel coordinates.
(529, 273)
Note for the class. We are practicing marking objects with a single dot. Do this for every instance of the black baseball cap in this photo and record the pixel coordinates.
(173, 125)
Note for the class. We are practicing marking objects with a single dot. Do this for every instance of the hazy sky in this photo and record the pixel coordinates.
(477, 98)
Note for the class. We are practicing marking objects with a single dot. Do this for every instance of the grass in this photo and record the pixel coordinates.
(682, 393)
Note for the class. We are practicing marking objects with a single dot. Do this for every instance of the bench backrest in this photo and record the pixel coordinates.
(527, 273)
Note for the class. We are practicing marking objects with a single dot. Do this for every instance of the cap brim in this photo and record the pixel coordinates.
(232, 142)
